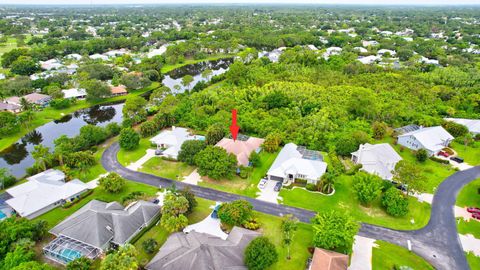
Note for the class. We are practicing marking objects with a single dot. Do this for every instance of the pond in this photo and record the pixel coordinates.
(17, 158)
(173, 79)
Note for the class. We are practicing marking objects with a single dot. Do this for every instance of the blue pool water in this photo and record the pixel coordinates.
(2, 215)
(71, 254)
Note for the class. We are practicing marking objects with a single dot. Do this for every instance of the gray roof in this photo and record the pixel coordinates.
(200, 251)
(98, 223)
(9, 107)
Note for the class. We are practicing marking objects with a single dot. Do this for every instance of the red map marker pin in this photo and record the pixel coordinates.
(234, 128)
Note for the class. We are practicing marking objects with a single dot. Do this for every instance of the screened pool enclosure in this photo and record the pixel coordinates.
(64, 250)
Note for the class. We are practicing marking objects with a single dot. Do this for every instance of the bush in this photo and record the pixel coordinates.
(113, 129)
(395, 203)
(421, 155)
(251, 224)
(215, 162)
(150, 245)
(129, 139)
(457, 130)
(367, 186)
(260, 254)
(60, 103)
(254, 159)
(189, 150)
(135, 195)
(148, 128)
(311, 187)
(235, 213)
(439, 160)
(81, 263)
(112, 183)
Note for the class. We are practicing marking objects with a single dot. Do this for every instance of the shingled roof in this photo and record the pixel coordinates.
(98, 223)
(200, 251)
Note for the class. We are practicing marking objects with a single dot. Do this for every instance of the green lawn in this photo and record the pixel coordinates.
(471, 155)
(160, 235)
(49, 114)
(7, 46)
(344, 199)
(165, 168)
(271, 228)
(58, 214)
(433, 171)
(473, 260)
(248, 186)
(469, 195)
(471, 227)
(389, 256)
(125, 157)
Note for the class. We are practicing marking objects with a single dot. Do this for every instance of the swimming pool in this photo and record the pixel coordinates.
(70, 254)
(2, 215)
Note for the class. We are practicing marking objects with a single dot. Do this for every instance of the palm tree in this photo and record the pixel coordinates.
(327, 182)
(25, 104)
(40, 154)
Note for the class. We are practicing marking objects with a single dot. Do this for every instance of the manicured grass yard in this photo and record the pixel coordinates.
(470, 154)
(165, 168)
(271, 228)
(433, 171)
(469, 195)
(389, 256)
(58, 214)
(248, 186)
(473, 261)
(125, 157)
(160, 235)
(344, 199)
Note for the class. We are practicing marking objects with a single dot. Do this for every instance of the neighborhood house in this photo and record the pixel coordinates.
(379, 159)
(34, 98)
(43, 192)
(432, 139)
(98, 226)
(295, 163)
(118, 90)
(170, 141)
(473, 125)
(74, 93)
(241, 148)
(328, 260)
(13, 108)
(201, 251)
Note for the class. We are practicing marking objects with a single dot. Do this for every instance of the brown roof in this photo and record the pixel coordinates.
(241, 149)
(328, 260)
(118, 90)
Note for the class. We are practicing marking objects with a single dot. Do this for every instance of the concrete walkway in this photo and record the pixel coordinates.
(362, 253)
(192, 178)
(470, 244)
(134, 166)
(209, 226)
(94, 183)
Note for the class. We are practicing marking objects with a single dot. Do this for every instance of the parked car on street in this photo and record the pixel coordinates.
(262, 183)
(457, 159)
(278, 186)
(158, 152)
(444, 154)
(473, 210)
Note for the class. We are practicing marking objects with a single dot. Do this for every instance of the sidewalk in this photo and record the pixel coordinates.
(362, 253)
(134, 166)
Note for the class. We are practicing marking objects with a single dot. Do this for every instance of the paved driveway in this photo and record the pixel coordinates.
(437, 242)
(267, 194)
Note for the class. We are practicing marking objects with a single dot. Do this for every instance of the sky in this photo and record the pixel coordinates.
(365, 2)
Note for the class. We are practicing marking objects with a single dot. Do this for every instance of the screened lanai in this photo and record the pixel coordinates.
(64, 250)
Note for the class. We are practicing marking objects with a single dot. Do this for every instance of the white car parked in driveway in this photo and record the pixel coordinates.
(262, 183)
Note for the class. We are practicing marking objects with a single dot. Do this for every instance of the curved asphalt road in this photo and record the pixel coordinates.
(437, 242)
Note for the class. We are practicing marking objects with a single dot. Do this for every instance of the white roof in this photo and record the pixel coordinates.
(473, 125)
(98, 56)
(432, 138)
(173, 139)
(368, 59)
(74, 56)
(291, 161)
(42, 190)
(377, 158)
(74, 93)
(360, 49)
(158, 51)
(383, 51)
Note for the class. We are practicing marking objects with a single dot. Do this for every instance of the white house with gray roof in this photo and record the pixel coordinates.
(43, 192)
(432, 139)
(296, 162)
(379, 159)
(170, 141)
(98, 226)
(473, 125)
